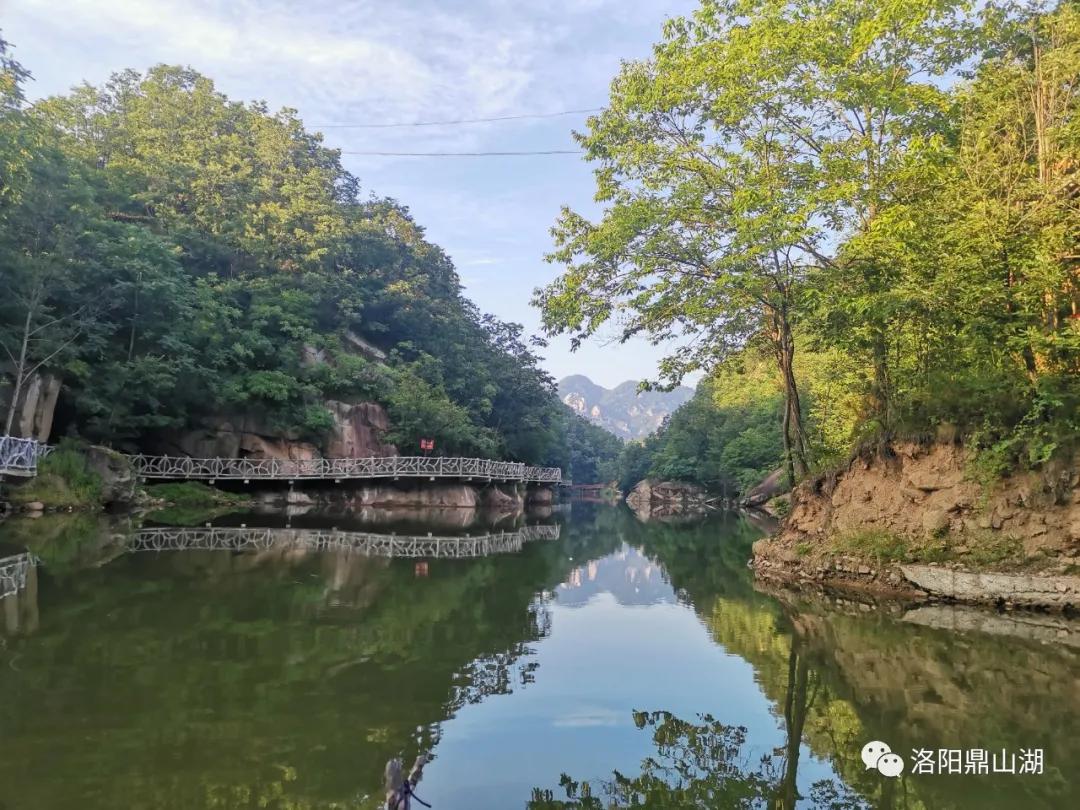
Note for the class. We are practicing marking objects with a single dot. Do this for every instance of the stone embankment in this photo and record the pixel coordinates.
(914, 522)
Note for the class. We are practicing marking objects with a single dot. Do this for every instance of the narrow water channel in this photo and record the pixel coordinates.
(603, 663)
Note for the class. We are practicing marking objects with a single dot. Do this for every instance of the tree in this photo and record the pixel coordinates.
(47, 216)
(733, 163)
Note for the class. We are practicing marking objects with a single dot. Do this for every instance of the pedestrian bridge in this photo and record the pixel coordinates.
(340, 469)
(19, 457)
(367, 544)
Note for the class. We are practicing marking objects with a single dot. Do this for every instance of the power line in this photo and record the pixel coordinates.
(458, 121)
(468, 154)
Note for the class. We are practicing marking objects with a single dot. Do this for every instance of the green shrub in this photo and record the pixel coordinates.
(63, 480)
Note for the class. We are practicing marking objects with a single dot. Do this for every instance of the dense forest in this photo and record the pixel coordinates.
(861, 219)
(173, 254)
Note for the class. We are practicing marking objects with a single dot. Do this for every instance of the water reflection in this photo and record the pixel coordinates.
(18, 590)
(628, 575)
(614, 663)
(368, 544)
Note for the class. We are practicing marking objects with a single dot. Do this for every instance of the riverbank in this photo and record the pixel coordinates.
(913, 521)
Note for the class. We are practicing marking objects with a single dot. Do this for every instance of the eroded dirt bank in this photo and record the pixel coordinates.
(913, 520)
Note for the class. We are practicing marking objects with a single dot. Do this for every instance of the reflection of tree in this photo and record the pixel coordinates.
(841, 677)
(695, 765)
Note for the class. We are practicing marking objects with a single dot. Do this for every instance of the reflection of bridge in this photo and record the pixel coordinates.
(20, 456)
(365, 543)
(13, 573)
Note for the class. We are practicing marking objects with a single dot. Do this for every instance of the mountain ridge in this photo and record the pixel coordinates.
(621, 410)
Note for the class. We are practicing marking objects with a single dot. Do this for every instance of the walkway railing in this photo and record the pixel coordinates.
(365, 543)
(183, 467)
(20, 456)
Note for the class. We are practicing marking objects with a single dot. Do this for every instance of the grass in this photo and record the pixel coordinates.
(873, 544)
(191, 503)
(192, 493)
(781, 505)
(63, 481)
(995, 549)
(985, 550)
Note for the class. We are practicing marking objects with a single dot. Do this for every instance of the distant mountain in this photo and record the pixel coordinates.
(621, 410)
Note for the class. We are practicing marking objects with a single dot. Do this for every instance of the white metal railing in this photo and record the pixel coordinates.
(21, 456)
(184, 467)
(365, 543)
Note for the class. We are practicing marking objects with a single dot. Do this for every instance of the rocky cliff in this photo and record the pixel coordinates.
(621, 410)
(357, 433)
(37, 403)
(887, 518)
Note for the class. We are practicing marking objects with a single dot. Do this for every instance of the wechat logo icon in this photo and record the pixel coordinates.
(877, 756)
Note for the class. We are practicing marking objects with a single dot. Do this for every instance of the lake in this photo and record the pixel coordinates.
(592, 661)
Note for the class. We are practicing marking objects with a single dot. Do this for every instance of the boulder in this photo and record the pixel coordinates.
(650, 499)
(117, 475)
(768, 489)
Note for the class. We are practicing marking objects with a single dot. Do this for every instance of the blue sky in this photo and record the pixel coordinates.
(408, 60)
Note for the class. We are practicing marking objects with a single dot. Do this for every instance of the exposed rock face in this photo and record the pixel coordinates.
(37, 404)
(621, 410)
(502, 497)
(658, 499)
(427, 496)
(540, 495)
(923, 494)
(925, 491)
(117, 476)
(357, 431)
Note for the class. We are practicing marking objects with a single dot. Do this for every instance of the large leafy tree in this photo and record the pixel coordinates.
(733, 164)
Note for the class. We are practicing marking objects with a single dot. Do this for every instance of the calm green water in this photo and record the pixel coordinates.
(622, 664)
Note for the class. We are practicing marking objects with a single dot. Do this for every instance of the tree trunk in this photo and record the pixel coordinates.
(795, 710)
(796, 447)
(19, 372)
(881, 396)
